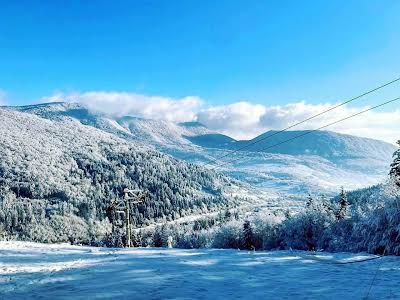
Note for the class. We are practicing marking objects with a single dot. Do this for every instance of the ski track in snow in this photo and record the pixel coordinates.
(45, 271)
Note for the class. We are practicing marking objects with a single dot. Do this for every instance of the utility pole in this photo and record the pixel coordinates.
(127, 218)
(122, 207)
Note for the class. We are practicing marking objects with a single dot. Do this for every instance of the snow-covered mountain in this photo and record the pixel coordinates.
(161, 132)
(58, 176)
(326, 144)
(150, 132)
(319, 162)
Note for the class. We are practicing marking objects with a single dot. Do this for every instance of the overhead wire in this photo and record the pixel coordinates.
(313, 130)
(253, 142)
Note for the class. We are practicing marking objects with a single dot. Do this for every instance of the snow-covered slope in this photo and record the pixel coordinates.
(160, 132)
(318, 162)
(327, 144)
(56, 174)
(150, 132)
(40, 271)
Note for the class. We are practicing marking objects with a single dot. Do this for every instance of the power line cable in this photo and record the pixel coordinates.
(314, 130)
(303, 121)
(375, 275)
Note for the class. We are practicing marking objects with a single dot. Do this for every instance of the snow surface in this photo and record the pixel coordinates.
(44, 271)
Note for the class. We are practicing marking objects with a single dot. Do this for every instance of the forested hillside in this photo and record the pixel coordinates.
(366, 220)
(318, 162)
(58, 177)
(149, 132)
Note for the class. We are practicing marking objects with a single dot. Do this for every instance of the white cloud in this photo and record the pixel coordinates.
(152, 107)
(241, 120)
(245, 120)
(373, 124)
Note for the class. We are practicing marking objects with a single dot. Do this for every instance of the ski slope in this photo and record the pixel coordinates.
(43, 271)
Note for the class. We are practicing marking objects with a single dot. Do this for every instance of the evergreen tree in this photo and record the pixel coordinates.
(135, 240)
(228, 215)
(343, 203)
(165, 232)
(139, 238)
(395, 167)
(326, 205)
(248, 235)
(310, 201)
(158, 237)
(116, 239)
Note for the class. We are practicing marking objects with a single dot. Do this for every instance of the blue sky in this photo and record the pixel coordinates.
(267, 52)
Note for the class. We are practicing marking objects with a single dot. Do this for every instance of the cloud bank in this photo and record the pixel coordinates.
(241, 120)
(120, 104)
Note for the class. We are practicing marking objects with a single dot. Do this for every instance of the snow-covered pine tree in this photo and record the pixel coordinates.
(115, 239)
(157, 237)
(310, 201)
(139, 238)
(228, 215)
(395, 167)
(165, 232)
(135, 240)
(326, 205)
(343, 203)
(248, 235)
(287, 214)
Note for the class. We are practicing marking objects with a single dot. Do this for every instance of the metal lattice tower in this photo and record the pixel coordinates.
(122, 208)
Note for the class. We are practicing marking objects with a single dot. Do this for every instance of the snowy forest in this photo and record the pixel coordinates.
(362, 221)
(57, 180)
(53, 195)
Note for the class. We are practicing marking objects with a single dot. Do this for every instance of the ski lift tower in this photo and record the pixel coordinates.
(122, 207)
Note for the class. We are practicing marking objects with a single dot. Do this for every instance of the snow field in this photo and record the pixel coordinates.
(43, 271)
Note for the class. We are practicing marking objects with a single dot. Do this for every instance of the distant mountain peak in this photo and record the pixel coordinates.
(192, 124)
(50, 105)
(324, 143)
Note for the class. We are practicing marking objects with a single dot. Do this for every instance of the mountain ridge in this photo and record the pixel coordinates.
(56, 172)
(72, 106)
(321, 160)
